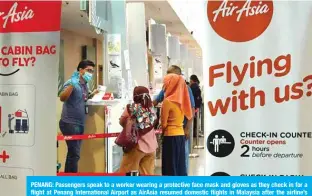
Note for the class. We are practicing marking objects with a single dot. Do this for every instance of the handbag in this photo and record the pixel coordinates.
(128, 138)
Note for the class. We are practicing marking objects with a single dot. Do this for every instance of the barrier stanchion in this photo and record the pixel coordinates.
(133, 173)
(203, 119)
(58, 165)
(192, 154)
(197, 135)
(202, 133)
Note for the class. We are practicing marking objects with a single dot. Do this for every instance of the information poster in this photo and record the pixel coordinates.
(114, 44)
(114, 55)
(258, 88)
(29, 52)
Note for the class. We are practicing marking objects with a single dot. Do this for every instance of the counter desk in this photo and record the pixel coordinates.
(99, 155)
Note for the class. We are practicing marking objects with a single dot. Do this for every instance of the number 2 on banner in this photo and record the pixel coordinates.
(246, 151)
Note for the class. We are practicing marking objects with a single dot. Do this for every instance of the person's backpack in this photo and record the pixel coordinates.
(131, 132)
(142, 131)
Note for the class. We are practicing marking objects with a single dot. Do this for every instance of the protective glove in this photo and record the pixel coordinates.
(74, 81)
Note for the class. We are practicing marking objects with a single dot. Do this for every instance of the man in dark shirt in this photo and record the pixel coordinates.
(74, 94)
(194, 84)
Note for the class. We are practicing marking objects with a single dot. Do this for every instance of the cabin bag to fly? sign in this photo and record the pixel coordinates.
(29, 52)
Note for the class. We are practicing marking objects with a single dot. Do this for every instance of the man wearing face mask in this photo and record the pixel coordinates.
(75, 93)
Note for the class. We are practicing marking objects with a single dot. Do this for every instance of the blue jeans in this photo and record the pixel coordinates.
(187, 152)
(73, 146)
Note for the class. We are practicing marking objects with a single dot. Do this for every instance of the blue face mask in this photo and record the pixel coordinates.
(87, 77)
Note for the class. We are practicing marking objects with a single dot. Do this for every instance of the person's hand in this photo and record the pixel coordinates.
(96, 91)
(74, 81)
(187, 133)
(159, 127)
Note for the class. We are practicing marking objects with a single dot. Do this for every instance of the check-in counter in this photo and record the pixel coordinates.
(99, 155)
(113, 110)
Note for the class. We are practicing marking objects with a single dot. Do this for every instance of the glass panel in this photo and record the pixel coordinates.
(117, 157)
(102, 9)
(84, 5)
(100, 14)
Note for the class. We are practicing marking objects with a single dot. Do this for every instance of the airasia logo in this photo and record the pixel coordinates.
(15, 16)
(91, 136)
(240, 21)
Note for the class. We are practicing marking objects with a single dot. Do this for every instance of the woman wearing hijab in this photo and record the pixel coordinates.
(175, 106)
(142, 157)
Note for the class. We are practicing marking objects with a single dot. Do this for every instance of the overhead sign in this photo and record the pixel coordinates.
(258, 88)
(29, 52)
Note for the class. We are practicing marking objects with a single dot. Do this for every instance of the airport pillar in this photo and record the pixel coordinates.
(136, 29)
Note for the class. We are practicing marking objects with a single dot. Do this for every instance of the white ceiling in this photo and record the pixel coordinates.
(77, 21)
(162, 13)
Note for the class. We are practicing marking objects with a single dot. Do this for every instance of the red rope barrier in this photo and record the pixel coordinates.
(93, 136)
(90, 174)
(95, 174)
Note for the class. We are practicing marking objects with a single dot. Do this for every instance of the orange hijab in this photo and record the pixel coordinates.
(177, 91)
